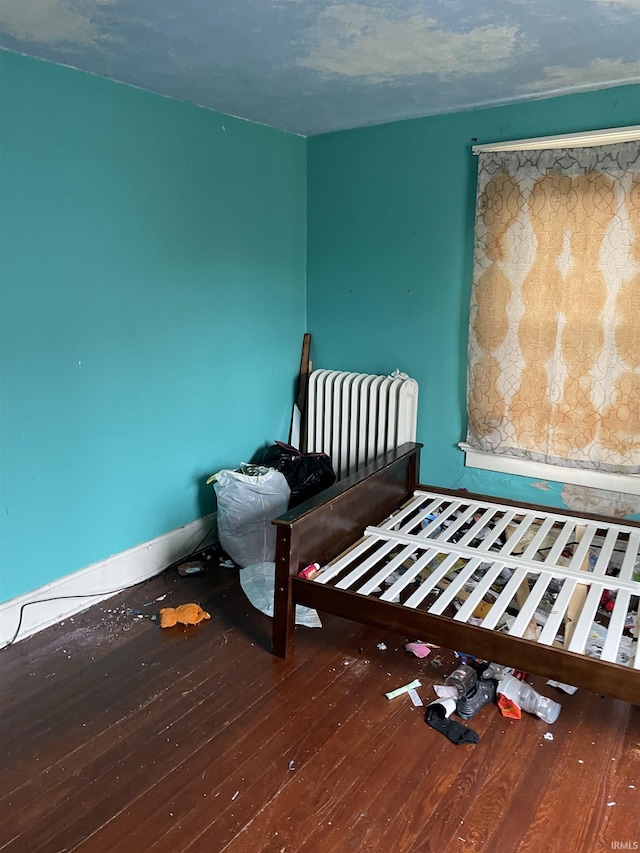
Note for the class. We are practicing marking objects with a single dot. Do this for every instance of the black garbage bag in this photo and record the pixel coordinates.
(307, 474)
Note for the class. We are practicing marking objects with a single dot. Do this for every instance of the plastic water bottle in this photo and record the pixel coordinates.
(529, 700)
(533, 703)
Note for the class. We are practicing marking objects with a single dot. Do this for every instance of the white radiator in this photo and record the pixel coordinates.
(356, 417)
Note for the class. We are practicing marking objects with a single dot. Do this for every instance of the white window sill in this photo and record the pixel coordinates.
(628, 484)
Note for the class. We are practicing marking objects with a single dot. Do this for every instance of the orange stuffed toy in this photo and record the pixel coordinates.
(187, 614)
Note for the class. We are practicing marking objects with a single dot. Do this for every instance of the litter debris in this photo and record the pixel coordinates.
(415, 698)
(420, 650)
(548, 736)
(249, 498)
(470, 693)
(405, 689)
(444, 691)
(382, 647)
(258, 583)
(515, 696)
(186, 614)
(611, 804)
(310, 572)
(235, 795)
(195, 567)
(465, 658)
(562, 686)
(437, 717)
(292, 765)
(227, 564)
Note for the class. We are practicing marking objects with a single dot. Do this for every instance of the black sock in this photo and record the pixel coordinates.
(455, 732)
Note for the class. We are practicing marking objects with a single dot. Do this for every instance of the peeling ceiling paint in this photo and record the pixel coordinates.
(313, 66)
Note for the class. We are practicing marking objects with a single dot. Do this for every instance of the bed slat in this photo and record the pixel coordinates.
(616, 624)
(456, 550)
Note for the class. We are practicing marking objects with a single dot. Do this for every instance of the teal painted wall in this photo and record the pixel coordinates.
(390, 247)
(152, 295)
(153, 306)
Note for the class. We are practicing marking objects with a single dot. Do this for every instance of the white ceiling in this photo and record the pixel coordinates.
(312, 66)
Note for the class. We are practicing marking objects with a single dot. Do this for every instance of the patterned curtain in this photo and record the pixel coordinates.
(554, 335)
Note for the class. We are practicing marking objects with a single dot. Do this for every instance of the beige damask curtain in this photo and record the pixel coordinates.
(554, 336)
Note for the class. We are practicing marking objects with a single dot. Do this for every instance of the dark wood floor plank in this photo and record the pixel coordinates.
(161, 756)
(284, 731)
(585, 766)
(399, 778)
(326, 764)
(368, 774)
(318, 795)
(121, 685)
(62, 756)
(94, 733)
(87, 637)
(119, 742)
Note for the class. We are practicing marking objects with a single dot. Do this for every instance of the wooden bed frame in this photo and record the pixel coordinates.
(328, 529)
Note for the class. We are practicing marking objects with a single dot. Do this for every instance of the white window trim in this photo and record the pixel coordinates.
(628, 484)
(586, 139)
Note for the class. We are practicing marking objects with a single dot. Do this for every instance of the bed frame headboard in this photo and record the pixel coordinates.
(301, 539)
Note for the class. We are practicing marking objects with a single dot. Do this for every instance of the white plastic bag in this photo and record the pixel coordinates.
(258, 583)
(247, 504)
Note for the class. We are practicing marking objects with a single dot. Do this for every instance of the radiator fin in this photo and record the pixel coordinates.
(356, 417)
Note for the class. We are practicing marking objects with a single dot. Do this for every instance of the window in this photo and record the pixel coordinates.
(554, 336)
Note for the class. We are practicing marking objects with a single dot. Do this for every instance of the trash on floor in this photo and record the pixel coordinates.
(437, 717)
(415, 697)
(515, 696)
(420, 650)
(307, 474)
(186, 614)
(473, 693)
(258, 582)
(249, 498)
(568, 688)
(443, 691)
(193, 567)
(404, 689)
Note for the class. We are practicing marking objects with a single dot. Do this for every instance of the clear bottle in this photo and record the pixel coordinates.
(464, 679)
(532, 702)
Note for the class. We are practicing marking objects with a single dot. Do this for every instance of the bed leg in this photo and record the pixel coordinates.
(283, 604)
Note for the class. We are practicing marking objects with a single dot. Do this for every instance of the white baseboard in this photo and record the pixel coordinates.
(66, 596)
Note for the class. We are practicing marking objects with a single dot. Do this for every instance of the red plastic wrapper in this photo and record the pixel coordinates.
(309, 572)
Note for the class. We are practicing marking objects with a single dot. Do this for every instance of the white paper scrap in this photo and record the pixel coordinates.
(446, 691)
(415, 698)
(568, 688)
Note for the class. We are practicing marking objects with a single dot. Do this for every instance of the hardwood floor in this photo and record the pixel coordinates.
(121, 736)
